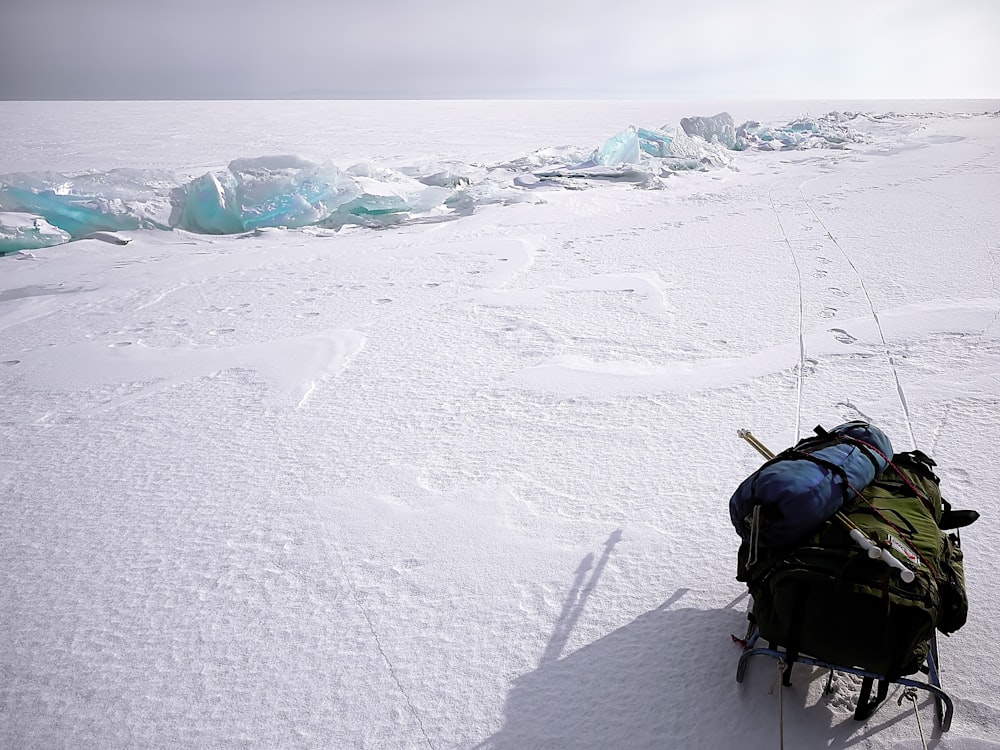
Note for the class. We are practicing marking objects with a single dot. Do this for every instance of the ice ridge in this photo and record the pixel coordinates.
(45, 208)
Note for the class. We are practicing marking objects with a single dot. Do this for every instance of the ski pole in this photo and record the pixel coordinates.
(860, 537)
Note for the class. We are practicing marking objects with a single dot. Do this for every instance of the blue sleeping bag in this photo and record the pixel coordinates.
(803, 487)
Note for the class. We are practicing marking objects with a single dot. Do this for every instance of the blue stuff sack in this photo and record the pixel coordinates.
(803, 487)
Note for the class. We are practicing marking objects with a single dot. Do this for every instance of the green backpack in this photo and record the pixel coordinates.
(827, 598)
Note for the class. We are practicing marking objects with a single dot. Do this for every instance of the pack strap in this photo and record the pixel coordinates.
(869, 451)
(906, 480)
(934, 571)
(754, 536)
(866, 705)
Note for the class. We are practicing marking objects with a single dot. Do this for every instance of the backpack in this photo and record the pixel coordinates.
(826, 597)
(789, 496)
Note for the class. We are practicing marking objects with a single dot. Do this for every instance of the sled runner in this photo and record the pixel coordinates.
(943, 706)
(848, 558)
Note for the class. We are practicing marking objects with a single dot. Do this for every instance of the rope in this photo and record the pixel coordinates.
(911, 694)
(802, 343)
(878, 323)
(781, 706)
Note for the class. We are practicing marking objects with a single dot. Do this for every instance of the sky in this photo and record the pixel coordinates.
(195, 49)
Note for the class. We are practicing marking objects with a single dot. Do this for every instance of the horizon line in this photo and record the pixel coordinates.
(520, 97)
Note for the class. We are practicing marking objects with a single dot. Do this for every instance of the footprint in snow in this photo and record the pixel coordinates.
(843, 690)
(957, 476)
(842, 336)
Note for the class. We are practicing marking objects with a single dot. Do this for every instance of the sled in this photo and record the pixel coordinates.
(943, 706)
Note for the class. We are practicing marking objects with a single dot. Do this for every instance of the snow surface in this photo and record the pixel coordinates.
(465, 484)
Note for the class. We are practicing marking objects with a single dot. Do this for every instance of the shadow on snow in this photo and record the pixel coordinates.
(667, 679)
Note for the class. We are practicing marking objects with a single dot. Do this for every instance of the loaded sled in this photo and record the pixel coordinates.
(849, 561)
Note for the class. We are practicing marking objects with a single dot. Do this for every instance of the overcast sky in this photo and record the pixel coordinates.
(693, 49)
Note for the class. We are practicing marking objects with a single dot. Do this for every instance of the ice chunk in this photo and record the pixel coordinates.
(622, 148)
(21, 231)
(645, 175)
(832, 130)
(385, 191)
(92, 202)
(680, 151)
(719, 128)
(210, 205)
(642, 156)
(267, 191)
(829, 131)
(447, 174)
(252, 193)
(551, 156)
(655, 142)
(379, 198)
(110, 237)
(385, 197)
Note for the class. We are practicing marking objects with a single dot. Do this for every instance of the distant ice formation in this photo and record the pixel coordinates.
(21, 231)
(829, 131)
(117, 200)
(267, 191)
(622, 148)
(717, 129)
(43, 209)
(675, 147)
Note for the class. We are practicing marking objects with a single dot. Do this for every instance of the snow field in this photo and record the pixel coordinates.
(465, 484)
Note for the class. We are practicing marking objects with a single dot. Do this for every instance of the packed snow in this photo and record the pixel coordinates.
(459, 478)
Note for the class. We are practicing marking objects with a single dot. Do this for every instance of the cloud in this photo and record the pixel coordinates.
(114, 48)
